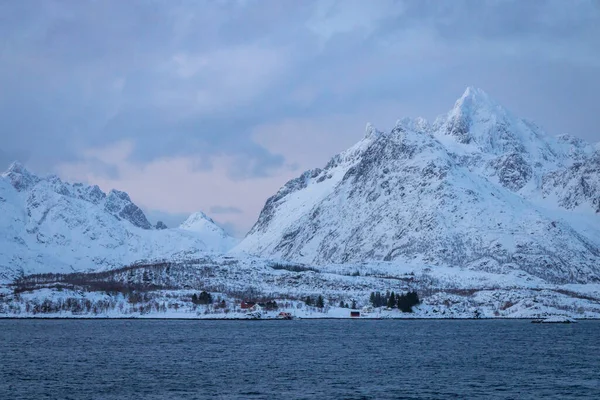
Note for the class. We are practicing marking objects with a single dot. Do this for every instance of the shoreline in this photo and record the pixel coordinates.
(277, 319)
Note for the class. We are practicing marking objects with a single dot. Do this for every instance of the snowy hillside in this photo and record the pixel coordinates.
(47, 225)
(479, 188)
(166, 290)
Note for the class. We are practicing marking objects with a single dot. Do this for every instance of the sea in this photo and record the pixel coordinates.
(298, 359)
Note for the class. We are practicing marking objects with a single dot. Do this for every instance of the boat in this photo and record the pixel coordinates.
(284, 315)
(558, 319)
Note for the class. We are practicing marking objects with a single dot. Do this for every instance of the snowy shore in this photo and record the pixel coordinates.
(482, 304)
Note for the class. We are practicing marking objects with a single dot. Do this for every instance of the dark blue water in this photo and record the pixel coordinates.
(99, 359)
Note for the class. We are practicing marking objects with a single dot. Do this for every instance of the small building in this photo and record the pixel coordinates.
(256, 308)
(354, 314)
(246, 305)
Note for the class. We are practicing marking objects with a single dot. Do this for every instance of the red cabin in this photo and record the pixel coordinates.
(355, 314)
(246, 305)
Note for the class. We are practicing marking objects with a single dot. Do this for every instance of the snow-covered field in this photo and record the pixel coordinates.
(175, 305)
(166, 290)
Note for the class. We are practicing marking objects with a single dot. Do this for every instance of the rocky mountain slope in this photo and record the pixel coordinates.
(47, 225)
(479, 189)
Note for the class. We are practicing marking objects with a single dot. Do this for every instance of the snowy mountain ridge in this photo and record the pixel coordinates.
(479, 188)
(47, 225)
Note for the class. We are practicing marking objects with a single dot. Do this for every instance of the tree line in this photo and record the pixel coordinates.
(203, 298)
(404, 302)
(319, 302)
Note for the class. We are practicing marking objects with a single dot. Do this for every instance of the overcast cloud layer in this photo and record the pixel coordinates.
(213, 105)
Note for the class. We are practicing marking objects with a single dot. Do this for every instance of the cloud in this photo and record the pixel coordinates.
(172, 185)
(225, 210)
(236, 97)
(232, 229)
(346, 17)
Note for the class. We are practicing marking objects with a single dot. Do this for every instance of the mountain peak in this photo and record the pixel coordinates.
(472, 91)
(371, 131)
(419, 125)
(20, 178)
(479, 121)
(474, 98)
(196, 219)
(17, 168)
(212, 234)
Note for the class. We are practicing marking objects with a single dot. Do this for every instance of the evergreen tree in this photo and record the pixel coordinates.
(205, 298)
(308, 301)
(413, 297)
(271, 305)
(341, 304)
(407, 301)
(320, 302)
(354, 304)
(392, 300)
(403, 304)
(194, 299)
(372, 299)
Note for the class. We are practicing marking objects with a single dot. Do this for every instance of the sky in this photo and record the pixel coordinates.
(214, 105)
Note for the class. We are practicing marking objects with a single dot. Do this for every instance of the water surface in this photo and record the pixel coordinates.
(304, 359)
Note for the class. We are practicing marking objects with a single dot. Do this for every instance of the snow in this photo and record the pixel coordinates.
(445, 292)
(47, 225)
(480, 188)
(481, 212)
(209, 232)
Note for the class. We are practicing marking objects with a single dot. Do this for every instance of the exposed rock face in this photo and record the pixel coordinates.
(513, 171)
(120, 205)
(19, 177)
(160, 225)
(469, 190)
(577, 186)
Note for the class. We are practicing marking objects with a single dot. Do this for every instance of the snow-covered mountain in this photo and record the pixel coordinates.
(211, 234)
(47, 225)
(479, 188)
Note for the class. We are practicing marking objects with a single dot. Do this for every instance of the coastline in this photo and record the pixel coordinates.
(142, 318)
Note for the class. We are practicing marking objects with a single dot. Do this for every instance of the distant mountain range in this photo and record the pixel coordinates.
(47, 225)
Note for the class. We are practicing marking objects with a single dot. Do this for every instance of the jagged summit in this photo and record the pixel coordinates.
(16, 167)
(20, 177)
(117, 203)
(477, 120)
(371, 131)
(473, 98)
(475, 103)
